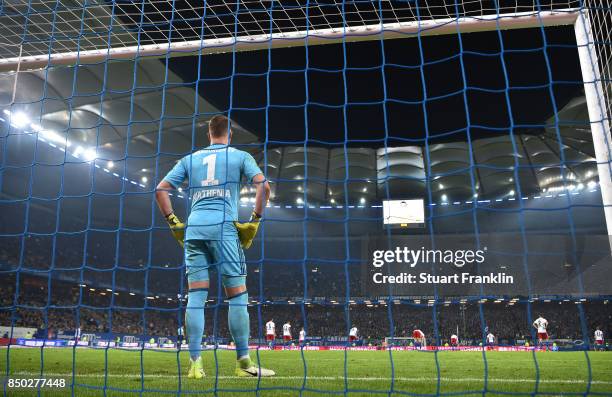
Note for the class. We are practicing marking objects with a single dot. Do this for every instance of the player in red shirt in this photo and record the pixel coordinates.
(419, 338)
(454, 340)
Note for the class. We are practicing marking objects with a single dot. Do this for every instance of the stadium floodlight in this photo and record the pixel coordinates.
(54, 137)
(19, 119)
(77, 151)
(89, 154)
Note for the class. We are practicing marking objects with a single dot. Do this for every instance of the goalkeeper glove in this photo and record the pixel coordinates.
(176, 227)
(248, 230)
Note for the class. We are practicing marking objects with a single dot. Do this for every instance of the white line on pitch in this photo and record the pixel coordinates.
(362, 379)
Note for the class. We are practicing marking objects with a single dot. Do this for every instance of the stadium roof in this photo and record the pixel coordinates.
(488, 167)
(102, 107)
(140, 117)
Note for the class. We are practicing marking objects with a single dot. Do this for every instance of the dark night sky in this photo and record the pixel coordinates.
(307, 87)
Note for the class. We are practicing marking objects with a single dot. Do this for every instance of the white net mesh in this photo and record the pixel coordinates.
(38, 28)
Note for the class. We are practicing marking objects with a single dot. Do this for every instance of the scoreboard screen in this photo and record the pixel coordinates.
(404, 213)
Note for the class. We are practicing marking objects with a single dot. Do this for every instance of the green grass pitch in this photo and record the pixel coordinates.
(316, 373)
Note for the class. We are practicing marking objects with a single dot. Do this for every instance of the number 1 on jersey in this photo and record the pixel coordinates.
(210, 163)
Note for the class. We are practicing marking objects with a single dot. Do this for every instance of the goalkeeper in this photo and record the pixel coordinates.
(214, 238)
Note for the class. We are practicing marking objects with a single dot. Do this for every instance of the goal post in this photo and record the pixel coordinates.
(313, 36)
(599, 116)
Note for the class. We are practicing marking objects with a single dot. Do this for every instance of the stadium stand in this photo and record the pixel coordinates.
(325, 320)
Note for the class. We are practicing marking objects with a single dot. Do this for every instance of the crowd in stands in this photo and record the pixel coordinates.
(97, 310)
(69, 307)
(135, 273)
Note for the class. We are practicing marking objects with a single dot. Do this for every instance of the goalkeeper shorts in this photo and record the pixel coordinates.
(226, 255)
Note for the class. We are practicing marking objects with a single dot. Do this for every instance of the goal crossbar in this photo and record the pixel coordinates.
(443, 26)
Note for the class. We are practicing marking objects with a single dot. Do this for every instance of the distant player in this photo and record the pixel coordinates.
(270, 332)
(419, 338)
(353, 335)
(302, 337)
(180, 334)
(541, 324)
(213, 238)
(490, 339)
(599, 339)
(454, 340)
(287, 332)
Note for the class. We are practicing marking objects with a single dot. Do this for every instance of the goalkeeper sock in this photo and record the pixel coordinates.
(244, 362)
(238, 319)
(194, 319)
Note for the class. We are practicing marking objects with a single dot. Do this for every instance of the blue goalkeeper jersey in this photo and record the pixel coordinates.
(215, 174)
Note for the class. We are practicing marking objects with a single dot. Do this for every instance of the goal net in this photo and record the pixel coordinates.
(43, 33)
(434, 165)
